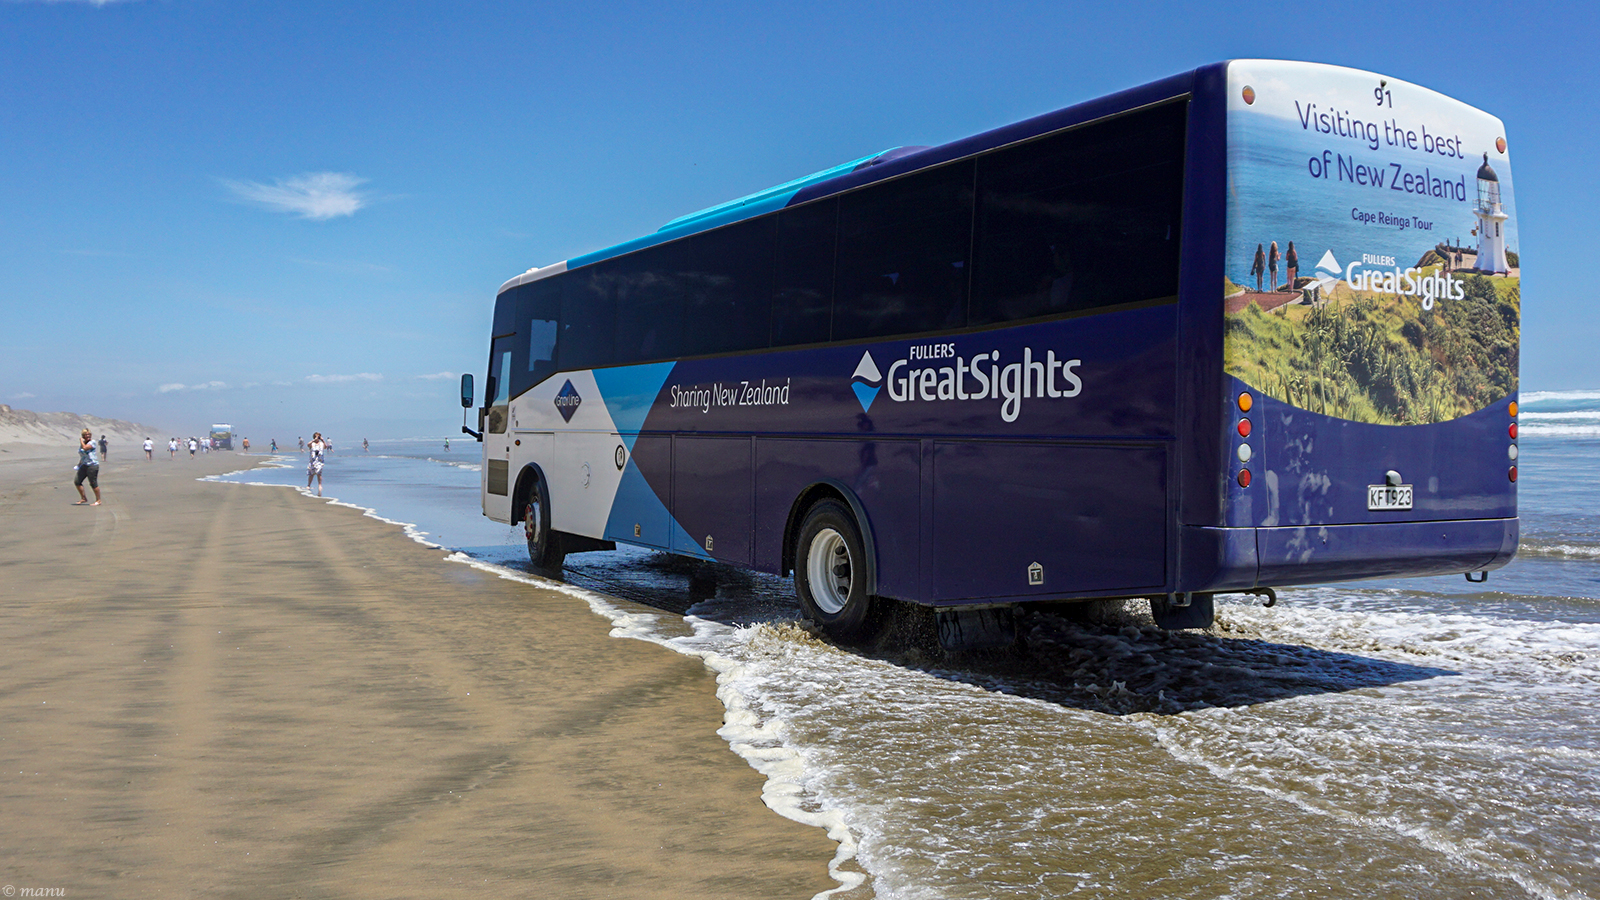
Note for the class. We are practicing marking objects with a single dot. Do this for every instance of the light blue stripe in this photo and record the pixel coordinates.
(749, 206)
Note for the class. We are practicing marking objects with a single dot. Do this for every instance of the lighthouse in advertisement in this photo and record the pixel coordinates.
(1491, 242)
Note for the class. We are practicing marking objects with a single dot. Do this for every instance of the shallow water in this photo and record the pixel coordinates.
(1411, 737)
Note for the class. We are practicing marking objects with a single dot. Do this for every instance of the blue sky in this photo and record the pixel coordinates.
(293, 216)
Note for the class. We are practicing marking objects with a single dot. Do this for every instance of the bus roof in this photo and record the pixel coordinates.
(877, 167)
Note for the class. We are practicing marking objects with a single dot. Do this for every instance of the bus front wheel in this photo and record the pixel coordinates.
(830, 565)
(544, 546)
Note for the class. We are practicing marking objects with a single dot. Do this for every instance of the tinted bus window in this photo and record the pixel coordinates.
(902, 258)
(728, 289)
(540, 314)
(1081, 219)
(588, 318)
(648, 291)
(802, 298)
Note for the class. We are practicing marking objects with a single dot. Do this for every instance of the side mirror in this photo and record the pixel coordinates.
(466, 390)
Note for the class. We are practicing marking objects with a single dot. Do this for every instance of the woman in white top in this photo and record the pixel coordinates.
(314, 469)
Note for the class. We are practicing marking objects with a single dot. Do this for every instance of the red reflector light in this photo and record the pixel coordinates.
(1244, 476)
(1513, 431)
(1244, 428)
(1513, 473)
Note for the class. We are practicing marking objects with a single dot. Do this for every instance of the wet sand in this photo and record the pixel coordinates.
(215, 690)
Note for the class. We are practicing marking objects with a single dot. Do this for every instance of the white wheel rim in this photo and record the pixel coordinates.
(829, 590)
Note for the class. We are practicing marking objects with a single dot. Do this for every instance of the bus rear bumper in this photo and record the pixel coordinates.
(1221, 559)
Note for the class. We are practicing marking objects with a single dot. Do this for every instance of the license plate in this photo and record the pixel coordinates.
(1388, 496)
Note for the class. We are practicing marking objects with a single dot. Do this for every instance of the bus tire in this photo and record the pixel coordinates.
(544, 546)
(829, 572)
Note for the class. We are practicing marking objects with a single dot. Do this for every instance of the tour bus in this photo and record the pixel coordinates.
(1250, 326)
(222, 437)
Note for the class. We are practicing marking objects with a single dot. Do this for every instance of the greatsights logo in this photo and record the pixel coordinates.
(933, 372)
(1381, 275)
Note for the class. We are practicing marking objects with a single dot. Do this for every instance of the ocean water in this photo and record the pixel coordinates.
(1411, 737)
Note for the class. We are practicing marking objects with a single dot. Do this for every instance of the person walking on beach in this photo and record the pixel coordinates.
(1259, 266)
(149, 449)
(1272, 265)
(247, 445)
(364, 447)
(314, 467)
(302, 444)
(274, 445)
(104, 448)
(1291, 262)
(193, 446)
(172, 448)
(88, 468)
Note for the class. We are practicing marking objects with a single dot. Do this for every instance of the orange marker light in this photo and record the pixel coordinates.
(1246, 401)
(1244, 477)
(1244, 428)
(1513, 407)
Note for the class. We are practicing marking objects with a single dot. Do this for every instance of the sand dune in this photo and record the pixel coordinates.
(28, 434)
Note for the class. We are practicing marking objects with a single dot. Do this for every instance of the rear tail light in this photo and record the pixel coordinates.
(1244, 477)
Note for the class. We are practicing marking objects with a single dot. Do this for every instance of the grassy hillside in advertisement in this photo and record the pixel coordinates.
(1379, 358)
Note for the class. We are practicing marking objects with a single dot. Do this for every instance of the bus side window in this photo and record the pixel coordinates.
(540, 313)
(588, 317)
(902, 259)
(648, 289)
(802, 297)
(728, 289)
(1085, 218)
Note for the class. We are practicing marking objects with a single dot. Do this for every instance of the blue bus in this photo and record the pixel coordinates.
(1250, 326)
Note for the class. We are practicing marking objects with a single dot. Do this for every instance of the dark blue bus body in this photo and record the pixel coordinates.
(993, 442)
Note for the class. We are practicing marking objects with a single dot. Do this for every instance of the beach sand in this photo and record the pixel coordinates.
(218, 690)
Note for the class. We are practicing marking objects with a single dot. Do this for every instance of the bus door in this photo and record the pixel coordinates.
(497, 433)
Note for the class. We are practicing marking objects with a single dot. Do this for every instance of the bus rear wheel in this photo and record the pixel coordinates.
(829, 572)
(544, 546)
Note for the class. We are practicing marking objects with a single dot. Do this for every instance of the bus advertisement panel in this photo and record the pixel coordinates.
(1372, 300)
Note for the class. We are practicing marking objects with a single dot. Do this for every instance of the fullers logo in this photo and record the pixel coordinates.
(567, 401)
(1382, 275)
(933, 372)
(864, 381)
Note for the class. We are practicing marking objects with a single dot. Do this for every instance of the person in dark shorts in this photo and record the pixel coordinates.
(1291, 262)
(88, 468)
(105, 449)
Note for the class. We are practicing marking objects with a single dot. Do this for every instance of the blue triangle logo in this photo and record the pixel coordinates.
(865, 394)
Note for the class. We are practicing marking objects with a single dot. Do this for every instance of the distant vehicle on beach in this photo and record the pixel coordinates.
(1001, 371)
(222, 437)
